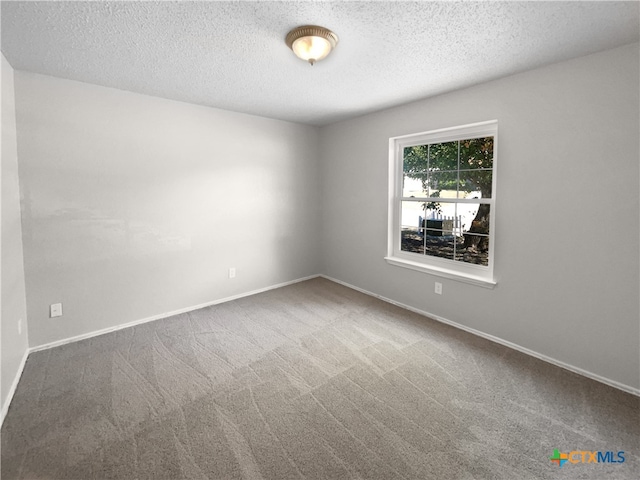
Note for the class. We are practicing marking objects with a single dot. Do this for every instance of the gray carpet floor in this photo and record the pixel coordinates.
(313, 380)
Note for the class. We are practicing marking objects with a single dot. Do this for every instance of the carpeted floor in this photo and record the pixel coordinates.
(313, 380)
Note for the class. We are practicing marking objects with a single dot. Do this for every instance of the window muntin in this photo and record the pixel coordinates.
(442, 194)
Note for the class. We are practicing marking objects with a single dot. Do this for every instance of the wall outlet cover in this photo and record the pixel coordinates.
(55, 310)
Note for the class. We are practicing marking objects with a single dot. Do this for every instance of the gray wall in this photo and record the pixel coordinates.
(567, 230)
(13, 305)
(134, 206)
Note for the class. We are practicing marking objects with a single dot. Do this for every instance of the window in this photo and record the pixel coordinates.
(442, 202)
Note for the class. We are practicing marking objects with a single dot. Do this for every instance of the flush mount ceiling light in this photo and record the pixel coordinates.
(311, 43)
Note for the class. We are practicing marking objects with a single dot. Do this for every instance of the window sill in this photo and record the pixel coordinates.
(442, 272)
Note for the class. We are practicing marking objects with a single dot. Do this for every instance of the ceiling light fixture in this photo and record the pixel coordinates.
(311, 43)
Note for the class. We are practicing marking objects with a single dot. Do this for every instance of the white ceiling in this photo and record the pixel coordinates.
(232, 55)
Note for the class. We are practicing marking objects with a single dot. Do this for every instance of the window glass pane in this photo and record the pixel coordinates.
(473, 249)
(475, 184)
(443, 156)
(412, 213)
(415, 159)
(415, 185)
(474, 218)
(412, 240)
(439, 245)
(439, 226)
(476, 153)
(443, 184)
(467, 213)
(437, 210)
(472, 240)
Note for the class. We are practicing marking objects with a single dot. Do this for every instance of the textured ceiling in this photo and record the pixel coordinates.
(232, 55)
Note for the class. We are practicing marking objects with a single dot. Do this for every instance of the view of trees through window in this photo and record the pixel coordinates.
(445, 199)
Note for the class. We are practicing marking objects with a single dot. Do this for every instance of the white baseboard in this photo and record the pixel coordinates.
(160, 316)
(14, 385)
(506, 343)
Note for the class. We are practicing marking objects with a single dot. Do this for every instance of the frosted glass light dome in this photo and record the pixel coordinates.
(311, 43)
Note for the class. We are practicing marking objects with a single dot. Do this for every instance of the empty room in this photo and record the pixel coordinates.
(320, 239)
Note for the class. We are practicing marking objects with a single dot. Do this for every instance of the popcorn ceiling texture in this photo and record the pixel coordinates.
(232, 55)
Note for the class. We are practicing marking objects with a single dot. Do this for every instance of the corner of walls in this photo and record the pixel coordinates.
(13, 316)
(316, 207)
(324, 204)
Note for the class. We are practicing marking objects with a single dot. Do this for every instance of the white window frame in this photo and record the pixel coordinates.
(466, 272)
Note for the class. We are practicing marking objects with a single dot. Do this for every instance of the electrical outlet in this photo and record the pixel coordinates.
(20, 327)
(55, 310)
(232, 272)
(438, 288)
